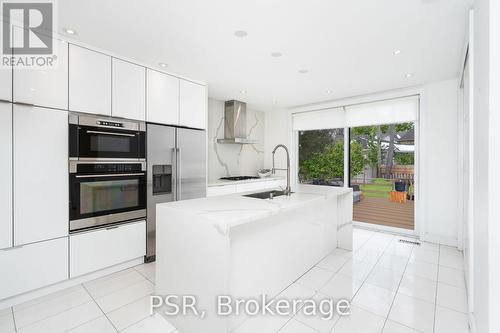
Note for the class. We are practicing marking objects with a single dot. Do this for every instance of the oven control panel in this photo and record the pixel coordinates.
(109, 167)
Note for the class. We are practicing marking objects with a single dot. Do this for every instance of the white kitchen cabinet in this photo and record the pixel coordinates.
(128, 90)
(5, 175)
(213, 191)
(33, 266)
(89, 81)
(192, 104)
(46, 87)
(162, 98)
(40, 174)
(5, 84)
(94, 250)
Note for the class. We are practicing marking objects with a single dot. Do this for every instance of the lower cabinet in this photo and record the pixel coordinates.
(33, 266)
(94, 250)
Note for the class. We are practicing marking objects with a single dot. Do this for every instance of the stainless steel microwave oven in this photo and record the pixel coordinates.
(94, 137)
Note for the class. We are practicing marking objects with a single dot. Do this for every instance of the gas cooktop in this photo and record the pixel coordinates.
(239, 178)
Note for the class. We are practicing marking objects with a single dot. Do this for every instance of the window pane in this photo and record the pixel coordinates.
(321, 157)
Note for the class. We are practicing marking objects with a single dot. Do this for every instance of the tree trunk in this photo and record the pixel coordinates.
(379, 151)
(390, 151)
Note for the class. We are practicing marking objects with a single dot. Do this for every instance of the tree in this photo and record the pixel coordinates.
(358, 160)
(390, 151)
(328, 164)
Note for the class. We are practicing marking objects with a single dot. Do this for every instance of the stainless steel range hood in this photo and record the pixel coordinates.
(235, 123)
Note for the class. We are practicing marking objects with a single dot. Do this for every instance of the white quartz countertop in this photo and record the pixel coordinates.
(222, 182)
(235, 209)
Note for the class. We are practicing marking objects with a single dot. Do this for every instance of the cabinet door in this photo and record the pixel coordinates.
(91, 251)
(40, 174)
(128, 90)
(162, 98)
(5, 175)
(5, 84)
(47, 87)
(213, 191)
(193, 105)
(33, 266)
(89, 81)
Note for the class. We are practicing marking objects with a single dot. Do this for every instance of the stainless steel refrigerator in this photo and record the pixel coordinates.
(176, 170)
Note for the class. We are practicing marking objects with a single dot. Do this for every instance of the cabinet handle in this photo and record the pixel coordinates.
(110, 228)
(13, 248)
(4, 101)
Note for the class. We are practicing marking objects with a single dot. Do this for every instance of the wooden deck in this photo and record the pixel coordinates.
(383, 212)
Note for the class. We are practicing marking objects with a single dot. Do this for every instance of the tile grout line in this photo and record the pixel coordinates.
(399, 285)
(318, 291)
(92, 297)
(364, 280)
(437, 286)
(13, 318)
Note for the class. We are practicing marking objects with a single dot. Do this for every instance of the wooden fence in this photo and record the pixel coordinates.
(399, 172)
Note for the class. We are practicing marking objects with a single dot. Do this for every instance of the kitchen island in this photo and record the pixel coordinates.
(245, 247)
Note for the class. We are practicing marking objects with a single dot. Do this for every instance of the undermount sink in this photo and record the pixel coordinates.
(265, 195)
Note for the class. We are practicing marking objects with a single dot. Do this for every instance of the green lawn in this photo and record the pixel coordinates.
(380, 188)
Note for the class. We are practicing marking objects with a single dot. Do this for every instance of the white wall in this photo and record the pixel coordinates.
(232, 159)
(486, 163)
(494, 163)
(438, 173)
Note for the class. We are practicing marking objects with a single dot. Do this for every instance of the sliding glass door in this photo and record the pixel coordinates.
(382, 174)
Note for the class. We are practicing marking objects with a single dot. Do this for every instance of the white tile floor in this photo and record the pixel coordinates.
(394, 288)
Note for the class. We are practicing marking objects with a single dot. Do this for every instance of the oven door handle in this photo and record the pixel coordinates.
(110, 133)
(111, 175)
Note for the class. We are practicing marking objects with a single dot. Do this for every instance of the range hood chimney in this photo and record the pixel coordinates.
(235, 123)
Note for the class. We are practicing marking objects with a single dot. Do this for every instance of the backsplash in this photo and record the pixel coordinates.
(233, 159)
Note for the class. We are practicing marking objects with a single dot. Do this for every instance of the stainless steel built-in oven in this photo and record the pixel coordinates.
(93, 137)
(103, 193)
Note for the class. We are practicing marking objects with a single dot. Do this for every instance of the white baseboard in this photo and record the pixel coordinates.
(18, 299)
(439, 240)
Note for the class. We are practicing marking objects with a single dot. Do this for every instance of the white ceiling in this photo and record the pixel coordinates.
(346, 45)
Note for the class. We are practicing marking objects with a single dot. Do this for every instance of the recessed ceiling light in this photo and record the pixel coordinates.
(240, 33)
(243, 91)
(276, 54)
(396, 52)
(69, 31)
(303, 71)
(408, 75)
(162, 64)
(328, 91)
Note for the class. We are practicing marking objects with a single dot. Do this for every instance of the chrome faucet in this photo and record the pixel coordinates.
(288, 190)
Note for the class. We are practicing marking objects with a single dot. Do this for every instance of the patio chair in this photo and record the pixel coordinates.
(357, 194)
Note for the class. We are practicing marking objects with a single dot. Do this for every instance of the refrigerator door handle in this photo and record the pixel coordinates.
(179, 174)
(174, 173)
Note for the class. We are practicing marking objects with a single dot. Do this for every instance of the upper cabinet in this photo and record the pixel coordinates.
(193, 105)
(128, 90)
(40, 174)
(47, 87)
(89, 81)
(5, 84)
(162, 98)
(5, 175)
